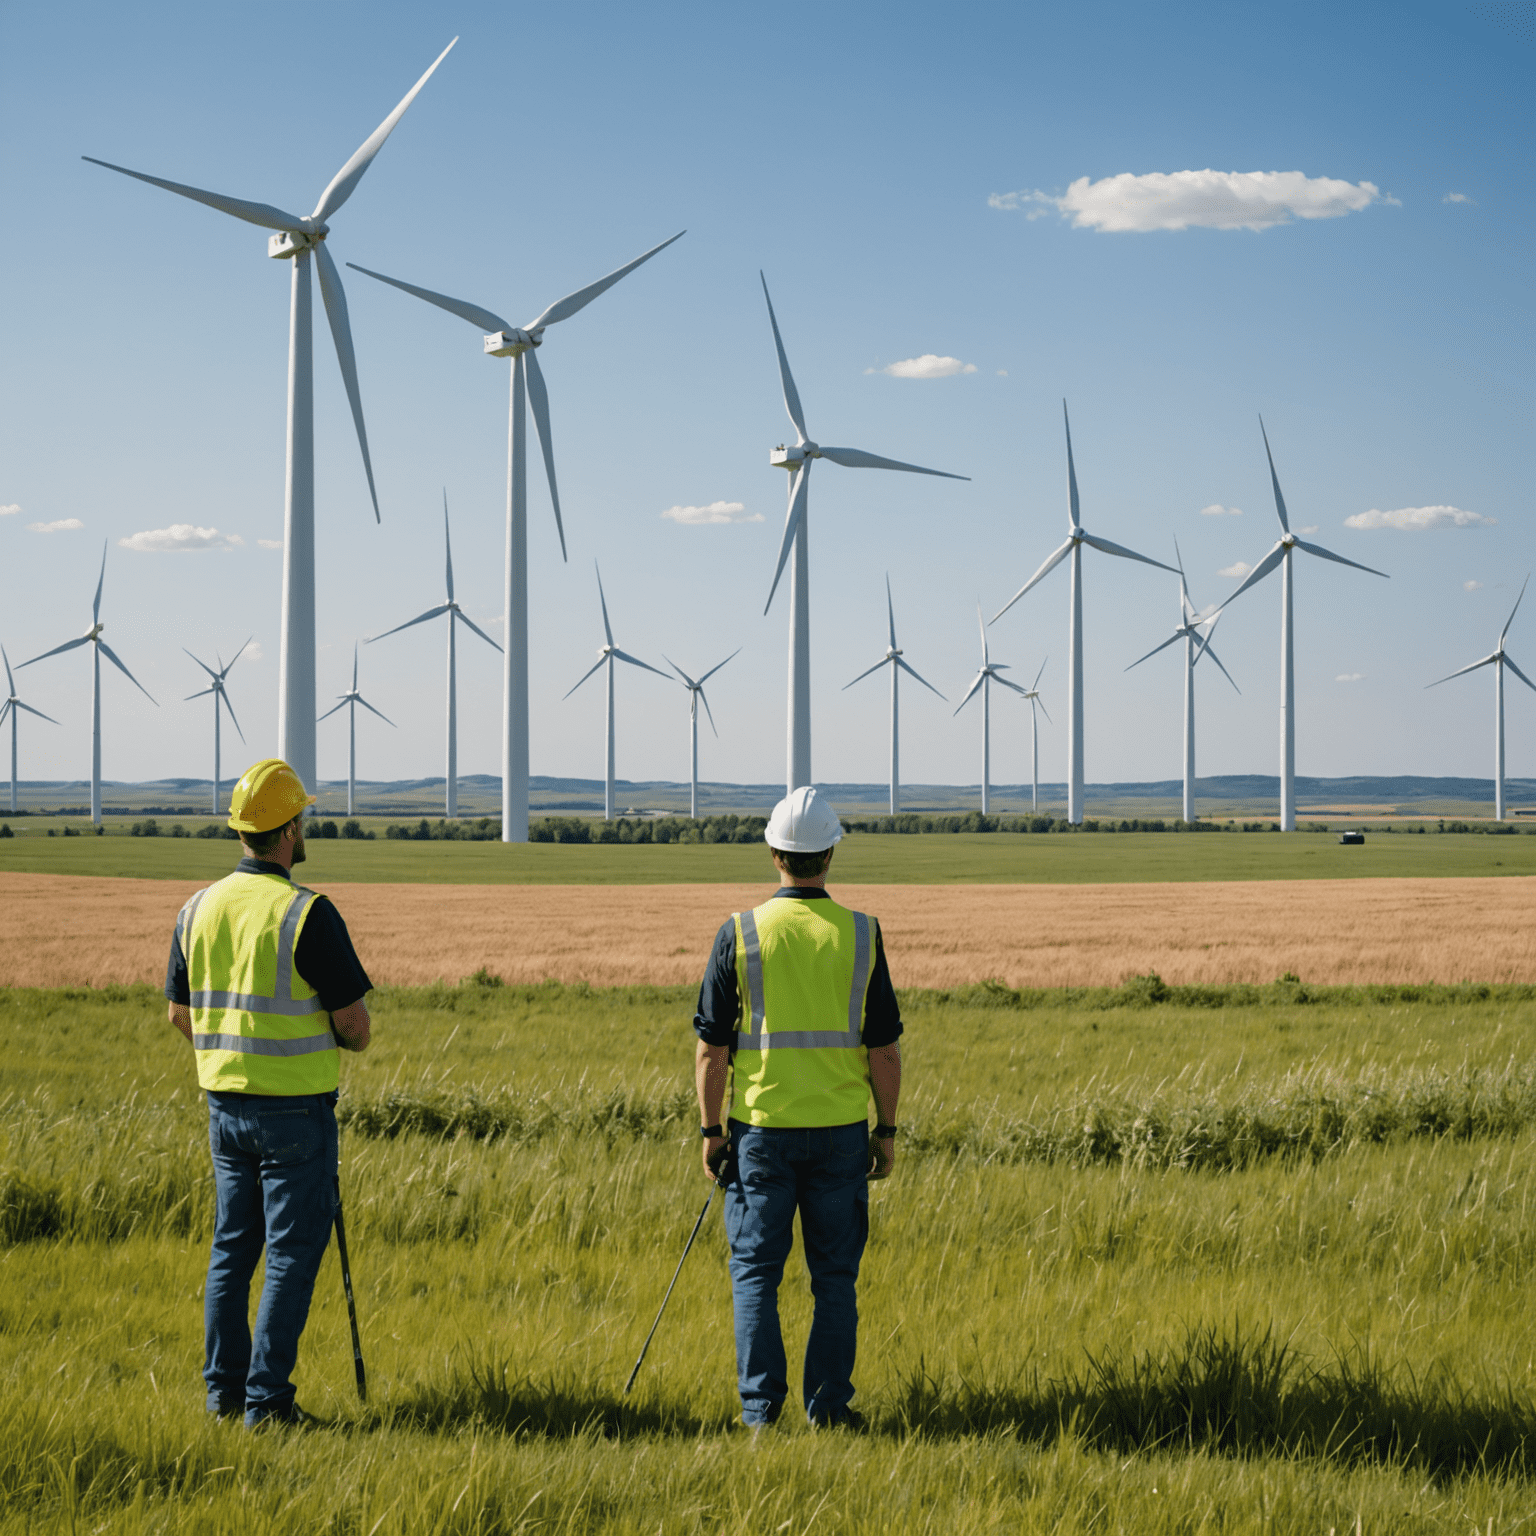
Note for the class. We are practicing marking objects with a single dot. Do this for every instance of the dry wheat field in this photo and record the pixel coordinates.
(60, 930)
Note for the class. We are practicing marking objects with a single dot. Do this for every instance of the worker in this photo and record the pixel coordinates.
(257, 964)
(797, 1016)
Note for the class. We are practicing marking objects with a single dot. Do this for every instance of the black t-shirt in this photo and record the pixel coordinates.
(719, 1010)
(323, 956)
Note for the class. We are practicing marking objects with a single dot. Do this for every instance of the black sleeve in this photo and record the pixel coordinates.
(719, 998)
(882, 1013)
(324, 957)
(177, 988)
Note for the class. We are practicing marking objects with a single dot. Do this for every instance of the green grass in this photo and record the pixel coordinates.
(1061, 1332)
(962, 858)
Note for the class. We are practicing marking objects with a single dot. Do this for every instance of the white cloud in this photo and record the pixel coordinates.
(1415, 518)
(1237, 570)
(269, 543)
(1470, 586)
(1350, 677)
(64, 525)
(1310, 528)
(1002, 373)
(1200, 199)
(10, 511)
(254, 652)
(1458, 197)
(1217, 510)
(179, 536)
(928, 366)
(715, 512)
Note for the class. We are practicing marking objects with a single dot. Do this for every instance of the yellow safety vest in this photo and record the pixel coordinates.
(257, 1025)
(802, 973)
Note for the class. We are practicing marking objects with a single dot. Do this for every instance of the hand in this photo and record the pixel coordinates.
(882, 1156)
(716, 1150)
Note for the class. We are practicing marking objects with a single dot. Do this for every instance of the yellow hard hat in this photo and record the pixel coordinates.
(269, 795)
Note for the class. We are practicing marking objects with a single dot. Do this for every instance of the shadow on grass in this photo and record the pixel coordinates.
(1215, 1391)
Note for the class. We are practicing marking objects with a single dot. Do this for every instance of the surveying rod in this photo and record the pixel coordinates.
(346, 1285)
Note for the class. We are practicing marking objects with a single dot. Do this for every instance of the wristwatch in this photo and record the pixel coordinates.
(884, 1131)
(706, 1131)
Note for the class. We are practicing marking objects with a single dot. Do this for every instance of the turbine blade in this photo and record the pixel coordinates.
(865, 673)
(332, 710)
(341, 333)
(635, 661)
(913, 672)
(96, 606)
(263, 214)
(1051, 562)
(372, 711)
(1043, 710)
(68, 645)
(538, 398)
(890, 609)
(1205, 650)
(421, 618)
(981, 624)
(17, 704)
(1328, 554)
(206, 668)
(448, 545)
(1270, 562)
(708, 711)
(734, 654)
(202, 693)
(485, 319)
(1176, 635)
(603, 599)
(981, 677)
(1039, 674)
(688, 682)
(584, 677)
(232, 720)
(1074, 511)
(471, 623)
(1507, 662)
(346, 179)
(1274, 480)
(1513, 611)
(564, 308)
(236, 657)
(10, 682)
(797, 493)
(856, 458)
(6, 708)
(1462, 671)
(112, 656)
(1008, 683)
(1124, 553)
(786, 378)
(354, 666)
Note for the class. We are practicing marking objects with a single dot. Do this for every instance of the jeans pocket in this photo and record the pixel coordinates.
(288, 1136)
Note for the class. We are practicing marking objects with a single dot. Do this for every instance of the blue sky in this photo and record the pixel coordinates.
(917, 182)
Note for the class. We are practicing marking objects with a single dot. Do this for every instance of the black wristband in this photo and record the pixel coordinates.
(706, 1131)
(885, 1130)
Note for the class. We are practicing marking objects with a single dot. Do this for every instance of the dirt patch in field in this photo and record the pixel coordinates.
(60, 930)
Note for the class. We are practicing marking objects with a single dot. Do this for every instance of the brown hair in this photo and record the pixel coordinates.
(803, 865)
(262, 843)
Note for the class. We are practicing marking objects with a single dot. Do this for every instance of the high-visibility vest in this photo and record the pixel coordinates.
(257, 1025)
(802, 973)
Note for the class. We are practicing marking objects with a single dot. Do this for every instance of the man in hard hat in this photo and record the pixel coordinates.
(798, 1015)
(257, 964)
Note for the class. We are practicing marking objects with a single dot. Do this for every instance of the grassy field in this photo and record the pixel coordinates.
(962, 858)
(1254, 1261)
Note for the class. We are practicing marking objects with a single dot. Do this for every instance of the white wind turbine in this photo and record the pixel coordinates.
(456, 615)
(13, 707)
(352, 698)
(1076, 538)
(695, 695)
(298, 239)
(894, 659)
(1032, 693)
(606, 657)
(1498, 661)
(1280, 555)
(220, 696)
(519, 344)
(100, 648)
(797, 461)
(991, 672)
(1196, 645)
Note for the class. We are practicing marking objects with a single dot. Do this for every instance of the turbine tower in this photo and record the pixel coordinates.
(1076, 538)
(100, 648)
(352, 699)
(609, 654)
(893, 659)
(695, 694)
(13, 707)
(1196, 645)
(298, 239)
(520, 343)
(220, 696)
(456, 615)
(1280, 555)
(991, 672)
(1498, 661)
(1033, 695)
(797, 461)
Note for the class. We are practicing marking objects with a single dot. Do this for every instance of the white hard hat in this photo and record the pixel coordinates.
(803, 822)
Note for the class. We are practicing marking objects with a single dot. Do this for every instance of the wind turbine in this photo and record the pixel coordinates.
(893, 659)
(100, 648)
(609, 654)
(1498, 661)
(695, 694)
(13, 707)
(991, 672)
(1196, 645)
(1033, 695)
(219, 696)
(519, 343)
(1280, 555)
(797, 461)
(1076, 538)
(352, 698)
(456, 615)
(298, 239)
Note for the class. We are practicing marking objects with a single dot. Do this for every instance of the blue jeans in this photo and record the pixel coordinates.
(821, 1172)
(274, 1164)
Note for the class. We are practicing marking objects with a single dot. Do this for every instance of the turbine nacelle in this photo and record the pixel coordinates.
(95, 630)
(792, 458)
(512, 343)
(289, 242)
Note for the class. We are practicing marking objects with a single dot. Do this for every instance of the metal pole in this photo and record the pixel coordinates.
(665, 1299)
(346, 1284)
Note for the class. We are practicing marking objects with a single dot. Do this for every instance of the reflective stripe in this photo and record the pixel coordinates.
(754, 956)
(860, 975)
(248, 1002)
(184, 919)
(282, 1003)
(805, 1039)
(249, 1045)
(285, 937)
